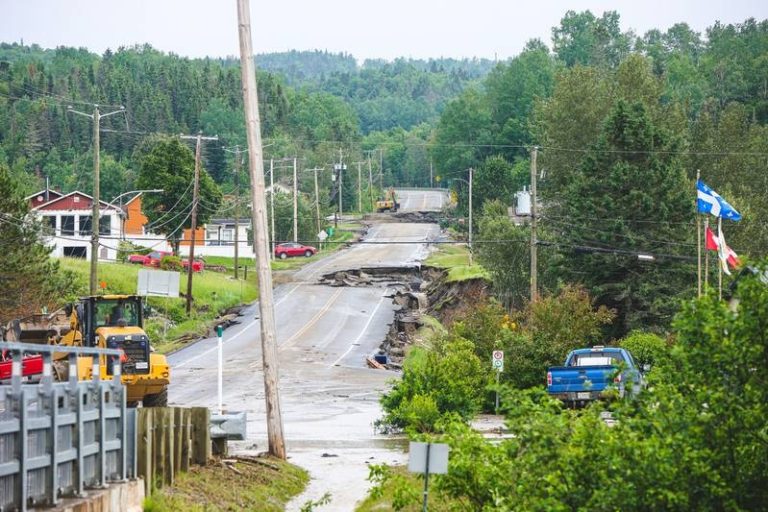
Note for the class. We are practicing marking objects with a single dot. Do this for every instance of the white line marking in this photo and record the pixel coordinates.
(365, 328)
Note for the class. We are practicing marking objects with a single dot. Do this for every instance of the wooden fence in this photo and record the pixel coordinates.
(168, 440)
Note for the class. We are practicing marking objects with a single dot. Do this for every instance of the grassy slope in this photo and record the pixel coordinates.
(455, 259)
(265, 487)
(213, 292)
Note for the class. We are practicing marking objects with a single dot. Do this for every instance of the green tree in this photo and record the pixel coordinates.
(611, 212)
(585, 39)
(166, 163)
(29, 278)
(506, 255)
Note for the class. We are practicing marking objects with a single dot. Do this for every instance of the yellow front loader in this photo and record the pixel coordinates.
(103, 321)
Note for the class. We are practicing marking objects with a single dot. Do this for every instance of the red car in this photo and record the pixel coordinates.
(293, 249)
(153, 260)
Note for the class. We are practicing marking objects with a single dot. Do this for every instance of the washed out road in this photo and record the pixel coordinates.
(329, 396)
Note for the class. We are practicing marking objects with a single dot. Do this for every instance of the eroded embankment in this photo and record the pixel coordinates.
(419, 293)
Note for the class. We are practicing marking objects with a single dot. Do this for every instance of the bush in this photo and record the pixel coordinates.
(171, 263)
(126, 248)
(646, 348)
(447, 379)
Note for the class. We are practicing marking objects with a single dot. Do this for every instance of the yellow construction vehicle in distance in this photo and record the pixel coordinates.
(103, 321)
(388, 203)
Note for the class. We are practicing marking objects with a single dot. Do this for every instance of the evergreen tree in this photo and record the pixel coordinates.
(30, 280)
(630, 195)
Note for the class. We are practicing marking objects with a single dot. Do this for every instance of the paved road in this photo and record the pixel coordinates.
(424, 201)
(329, 397)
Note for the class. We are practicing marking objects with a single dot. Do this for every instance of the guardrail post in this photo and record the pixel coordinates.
(96, 383)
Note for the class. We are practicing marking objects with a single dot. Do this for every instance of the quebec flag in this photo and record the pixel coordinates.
(709, 201)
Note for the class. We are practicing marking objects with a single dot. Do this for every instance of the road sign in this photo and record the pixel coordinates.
(322, 236)
(428, 457)
(498, 360)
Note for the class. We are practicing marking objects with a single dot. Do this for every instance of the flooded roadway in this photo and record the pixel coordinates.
(329, 397)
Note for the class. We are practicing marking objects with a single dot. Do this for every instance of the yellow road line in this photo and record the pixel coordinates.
(287, 343)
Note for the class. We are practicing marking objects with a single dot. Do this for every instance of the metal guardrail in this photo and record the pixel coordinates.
(59, 438)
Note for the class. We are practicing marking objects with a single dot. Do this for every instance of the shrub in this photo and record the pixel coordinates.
(646, 348)
(171, 263)
(449, 378)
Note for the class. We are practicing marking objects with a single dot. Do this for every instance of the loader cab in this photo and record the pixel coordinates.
(116, 321)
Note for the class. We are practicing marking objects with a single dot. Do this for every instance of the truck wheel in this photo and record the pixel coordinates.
(157, 400)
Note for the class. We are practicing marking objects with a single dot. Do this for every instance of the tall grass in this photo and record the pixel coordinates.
(212, 294)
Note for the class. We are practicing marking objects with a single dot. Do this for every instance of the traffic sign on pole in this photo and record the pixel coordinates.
(498, 360)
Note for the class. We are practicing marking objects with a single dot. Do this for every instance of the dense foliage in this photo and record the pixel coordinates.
(30, 280)
(694, 439)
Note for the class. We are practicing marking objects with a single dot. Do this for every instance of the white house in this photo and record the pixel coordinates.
(68, 222)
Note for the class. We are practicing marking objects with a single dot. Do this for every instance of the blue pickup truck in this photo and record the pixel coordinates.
(589, 372)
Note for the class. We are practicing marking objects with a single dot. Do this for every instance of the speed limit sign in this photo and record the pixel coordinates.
(498, 360)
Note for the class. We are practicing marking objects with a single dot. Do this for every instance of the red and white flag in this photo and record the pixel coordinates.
(727, 255)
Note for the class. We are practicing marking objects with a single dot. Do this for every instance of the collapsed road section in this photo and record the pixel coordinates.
(418, 292)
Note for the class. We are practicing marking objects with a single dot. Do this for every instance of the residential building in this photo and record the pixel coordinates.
(67, 221)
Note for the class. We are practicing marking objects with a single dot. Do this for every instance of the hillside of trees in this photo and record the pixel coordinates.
(612, 112)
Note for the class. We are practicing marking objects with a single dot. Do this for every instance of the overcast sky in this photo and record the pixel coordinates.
(366, 29)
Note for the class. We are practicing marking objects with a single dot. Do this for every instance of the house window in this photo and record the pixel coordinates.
(105, 225)
(49, 225)
(86, 223)
(75, 252)
(67, 225)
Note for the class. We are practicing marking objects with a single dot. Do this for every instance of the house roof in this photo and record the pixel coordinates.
(75, 201)
(38, 198)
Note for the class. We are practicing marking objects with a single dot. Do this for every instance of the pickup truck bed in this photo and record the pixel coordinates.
(589, 372)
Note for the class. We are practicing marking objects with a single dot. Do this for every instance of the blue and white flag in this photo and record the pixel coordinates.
(709, 201)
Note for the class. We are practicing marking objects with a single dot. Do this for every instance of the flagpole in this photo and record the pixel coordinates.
(706, 257)
(720, 266)
(698, 235)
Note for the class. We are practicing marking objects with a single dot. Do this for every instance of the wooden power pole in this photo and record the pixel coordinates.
(295, 202)
(238, 165)
(195, 201)
(96, 117)
(275, 437)
(359, 189)
(534, 255)
(370, 181)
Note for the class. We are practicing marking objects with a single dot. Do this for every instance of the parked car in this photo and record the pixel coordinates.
(137, 259)
(153, 260)
(294, 249)
(588, 373)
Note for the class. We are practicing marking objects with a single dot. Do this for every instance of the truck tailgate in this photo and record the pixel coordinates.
(580, 378)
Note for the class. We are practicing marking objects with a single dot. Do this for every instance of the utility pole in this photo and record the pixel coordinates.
(317, 200)
(381, 169)
(238, 164)
(471, 171)
(96, 116)
(295, 203)
(272, 203)
(359, 189)
(534, 255)
(266, 306)
(370, 181)
(431, 183)
(341, 182)
(195, 201)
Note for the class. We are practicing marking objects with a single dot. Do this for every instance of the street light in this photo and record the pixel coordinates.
(470, 210)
